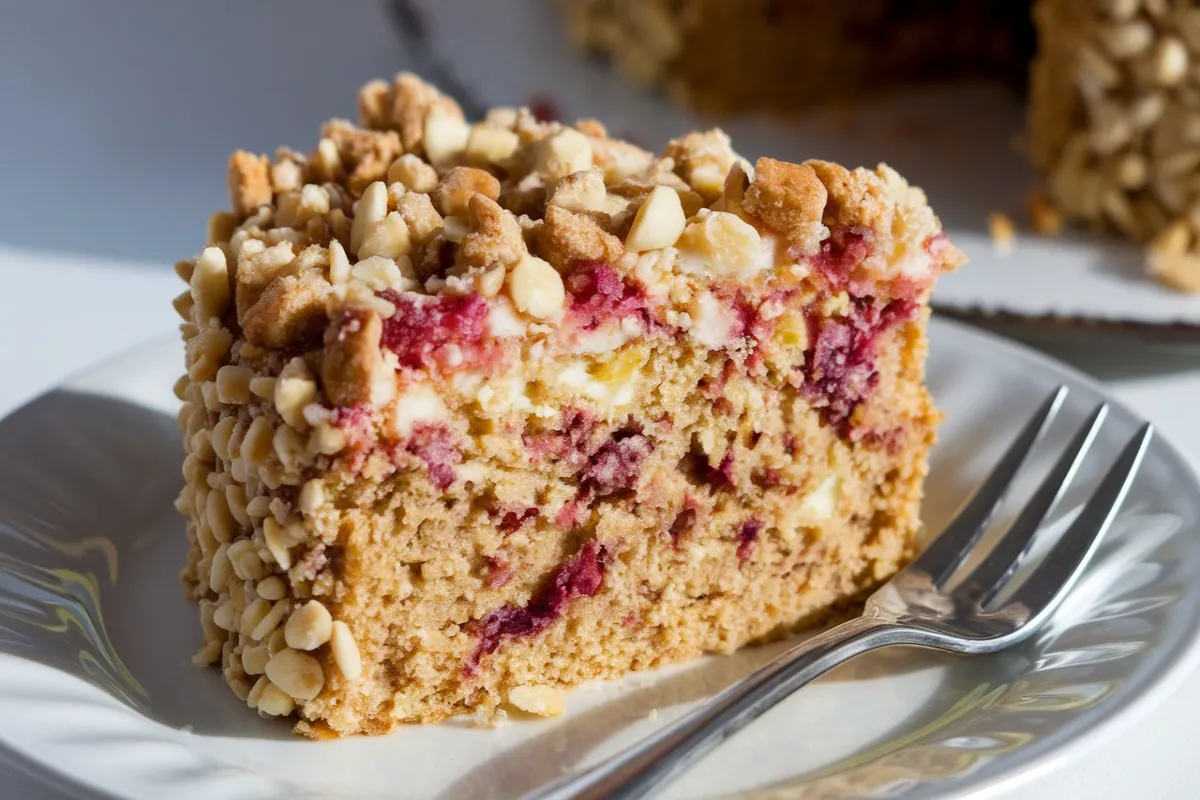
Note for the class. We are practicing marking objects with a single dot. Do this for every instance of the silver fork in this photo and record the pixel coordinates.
(917, 607)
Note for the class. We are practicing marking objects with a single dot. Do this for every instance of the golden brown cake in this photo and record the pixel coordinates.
(1114, 86)
(476, 411)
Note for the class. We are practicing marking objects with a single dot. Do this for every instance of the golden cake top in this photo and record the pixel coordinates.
(530, 229)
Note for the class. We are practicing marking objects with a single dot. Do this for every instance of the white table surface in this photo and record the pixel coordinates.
(118, 119)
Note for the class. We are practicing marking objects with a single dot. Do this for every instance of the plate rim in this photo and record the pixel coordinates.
(1171, 675)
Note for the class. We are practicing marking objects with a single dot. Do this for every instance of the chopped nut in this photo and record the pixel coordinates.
(253, 615)
(220, 570)
(309, 626)
(312, 497)
(1170, 61)
(345, 651)
(183, 305)
(210, 284)
(235, 498)
(270, 622)
(721, 242)
(249, 182)
(221, 434)
(415, 174)
(206, 351)
(1002, 231)
(274, 702)
(491, 282)
(271, 588)
(279, 542)
(580, 191)
(545, 701)
(233, 384)
(226, 616)
(294, 390)
(369, 211)
(276, 641)
(537, 289)
(326, 161)
(220, 520)
(703, 160)
(298, 674)
(454, 229)
(456, 189)
(489, 144)
(659, 221)
(185, 268)
(254, 659)
(445, 138)
(259, 507)
(290, 449)
(390, 238)
(561, 153)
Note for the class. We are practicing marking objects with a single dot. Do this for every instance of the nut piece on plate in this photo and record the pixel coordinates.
(484, 381)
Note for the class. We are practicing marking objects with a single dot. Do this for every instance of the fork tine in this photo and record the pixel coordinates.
(1045, 588)
(983, 582)
(946, 553)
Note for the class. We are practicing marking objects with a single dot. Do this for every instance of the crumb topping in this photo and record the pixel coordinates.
(417, 267)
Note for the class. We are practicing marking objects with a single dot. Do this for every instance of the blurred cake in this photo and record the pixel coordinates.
(1114, 96)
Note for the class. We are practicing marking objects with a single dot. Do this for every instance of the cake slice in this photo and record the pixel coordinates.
(475, 411)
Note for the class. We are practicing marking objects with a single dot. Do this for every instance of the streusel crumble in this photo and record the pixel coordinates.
(478, 410)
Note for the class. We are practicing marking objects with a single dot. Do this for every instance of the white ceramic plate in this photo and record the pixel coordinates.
(955, 142)
(98, 693)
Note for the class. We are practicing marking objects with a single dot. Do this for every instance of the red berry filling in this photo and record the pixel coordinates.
(434, 445)
(511, 518)
(614, 467)
(684, 521)
(840, 371)
(722, 477)
(582, 575)
(356, 424)
(446, 331)
(748, 535)
(840, 256)
(498, 572)
(598, 294)
(570, 443)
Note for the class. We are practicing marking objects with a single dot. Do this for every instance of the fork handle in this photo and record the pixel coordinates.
(648, 765)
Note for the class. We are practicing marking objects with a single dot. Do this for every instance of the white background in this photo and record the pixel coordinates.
(115, 122)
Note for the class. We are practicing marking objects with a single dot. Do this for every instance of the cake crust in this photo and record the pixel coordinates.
(477, 411)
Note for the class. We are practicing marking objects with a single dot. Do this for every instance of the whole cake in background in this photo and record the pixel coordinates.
(474, 411)
(1114, 85)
